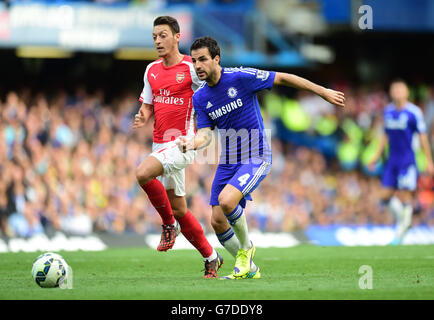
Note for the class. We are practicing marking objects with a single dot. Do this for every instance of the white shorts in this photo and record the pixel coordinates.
(174, 163)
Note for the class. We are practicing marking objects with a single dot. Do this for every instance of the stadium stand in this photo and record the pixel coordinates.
(68, 153)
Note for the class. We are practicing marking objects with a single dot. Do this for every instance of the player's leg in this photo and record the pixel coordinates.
(229, 200)
(406, 214)
(225, 234)
(228, 239)
(232, 202)
(389, 184)
(190, 226)
(148, 170)
(146, 174)
(162, 161)
(407, 183)
(388, 198)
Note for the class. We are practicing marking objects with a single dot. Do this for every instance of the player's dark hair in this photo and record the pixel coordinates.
(206, 42)
(170, 21)
(398, 80)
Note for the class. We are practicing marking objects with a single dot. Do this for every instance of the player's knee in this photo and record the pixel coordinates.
(404, 196)
(143, 176)
(179, 212)
(226, 203)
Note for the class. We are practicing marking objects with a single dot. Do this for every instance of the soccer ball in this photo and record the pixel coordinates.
(49, 270)
(55, 256)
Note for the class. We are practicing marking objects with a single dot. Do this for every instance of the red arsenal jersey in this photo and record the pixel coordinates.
(170, 91)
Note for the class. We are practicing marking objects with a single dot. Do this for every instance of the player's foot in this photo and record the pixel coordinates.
(211, 267)
(254, 275)
(230, 277)
(243, 261)
(168, 236)
(250, 275)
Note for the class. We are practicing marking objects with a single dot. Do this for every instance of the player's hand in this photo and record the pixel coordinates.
(139, 119)
(334, 97)
(184, 145)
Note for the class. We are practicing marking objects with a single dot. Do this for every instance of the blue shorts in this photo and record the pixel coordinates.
(244, 177)
(400, 176)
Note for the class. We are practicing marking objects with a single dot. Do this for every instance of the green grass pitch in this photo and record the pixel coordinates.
(302, 272)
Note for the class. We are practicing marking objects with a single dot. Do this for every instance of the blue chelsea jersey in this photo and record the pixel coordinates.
(400, 126)
(232, 106)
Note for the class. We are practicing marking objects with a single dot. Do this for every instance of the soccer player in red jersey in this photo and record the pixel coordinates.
(169, 84)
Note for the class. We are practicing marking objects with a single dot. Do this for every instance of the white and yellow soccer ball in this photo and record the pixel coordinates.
(49, 270)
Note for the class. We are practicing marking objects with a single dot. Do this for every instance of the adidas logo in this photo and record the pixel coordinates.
(209, 105)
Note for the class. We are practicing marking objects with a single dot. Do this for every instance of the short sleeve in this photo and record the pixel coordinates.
(256, 80)
(195, 81)
(383, 119)
(203, 120)
(146, 95)
(420, 123)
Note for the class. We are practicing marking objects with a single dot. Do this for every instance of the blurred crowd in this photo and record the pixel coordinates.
(68, 161)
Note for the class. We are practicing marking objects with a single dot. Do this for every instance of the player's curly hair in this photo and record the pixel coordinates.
(170, 21)
(207, 42)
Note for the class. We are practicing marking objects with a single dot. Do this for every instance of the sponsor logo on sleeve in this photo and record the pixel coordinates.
(262, 75)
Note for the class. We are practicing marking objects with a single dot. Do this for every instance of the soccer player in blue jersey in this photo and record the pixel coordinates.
(227, 101)
(402, 120)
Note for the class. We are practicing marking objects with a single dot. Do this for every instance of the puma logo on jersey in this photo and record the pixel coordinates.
(154, 76)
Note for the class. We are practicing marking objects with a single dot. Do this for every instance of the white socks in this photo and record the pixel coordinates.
(403, 214)
(242, 232)
(212, 256)
(237, 219)
(405, 224)
(230, 242)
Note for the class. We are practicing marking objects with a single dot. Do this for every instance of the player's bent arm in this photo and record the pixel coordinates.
(380, 149)
(427, 150)
(291, 80)
(144, 114)
(201, 140)
(147, 110)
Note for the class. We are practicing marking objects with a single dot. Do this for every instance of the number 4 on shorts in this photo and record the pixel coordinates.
(243, 179)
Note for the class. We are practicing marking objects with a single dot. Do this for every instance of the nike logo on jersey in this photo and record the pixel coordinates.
(154, 76)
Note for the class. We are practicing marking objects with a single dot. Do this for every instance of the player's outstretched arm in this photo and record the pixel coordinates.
(145, 112)
(201, 140)
(290, 80)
